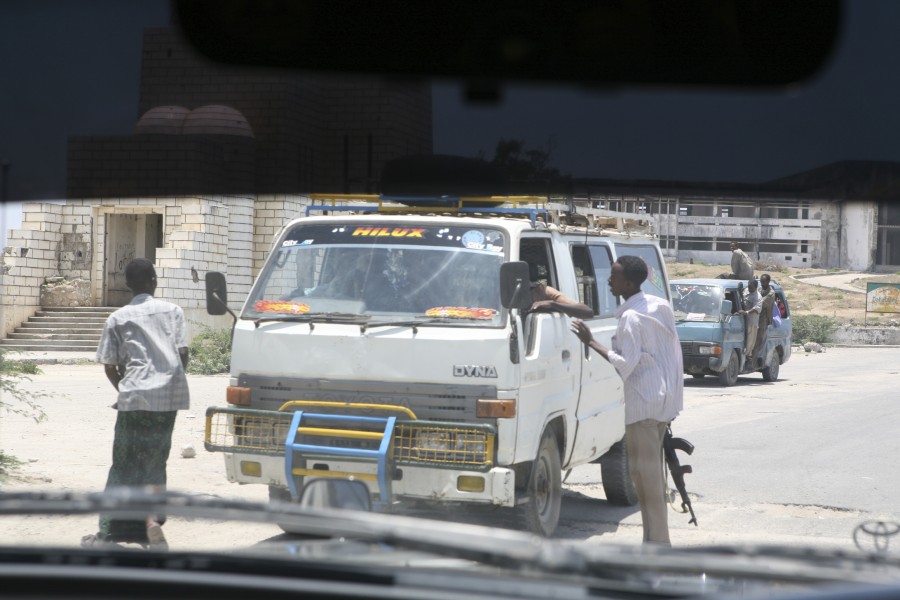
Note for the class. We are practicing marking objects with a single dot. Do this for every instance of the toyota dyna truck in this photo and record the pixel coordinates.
(397, 347)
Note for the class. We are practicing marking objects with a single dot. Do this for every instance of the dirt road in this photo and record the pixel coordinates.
(736, 500)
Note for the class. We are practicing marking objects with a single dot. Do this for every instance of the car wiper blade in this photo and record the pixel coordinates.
(414, 323)
(319, 317)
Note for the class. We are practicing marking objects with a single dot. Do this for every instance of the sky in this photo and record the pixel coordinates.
(73, 68)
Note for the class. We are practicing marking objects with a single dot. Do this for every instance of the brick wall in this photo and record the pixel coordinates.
(230, 234)
(31, 255)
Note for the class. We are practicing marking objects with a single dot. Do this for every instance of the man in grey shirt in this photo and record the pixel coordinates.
(144, 353)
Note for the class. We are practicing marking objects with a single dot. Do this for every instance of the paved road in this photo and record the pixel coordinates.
(799, 461)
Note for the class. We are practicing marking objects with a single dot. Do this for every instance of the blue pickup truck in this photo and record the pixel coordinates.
(713, 333)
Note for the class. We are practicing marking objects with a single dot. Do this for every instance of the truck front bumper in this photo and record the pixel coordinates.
(410, 482)
(694, 363)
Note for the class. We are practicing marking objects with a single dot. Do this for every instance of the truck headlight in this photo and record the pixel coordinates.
(710, 350)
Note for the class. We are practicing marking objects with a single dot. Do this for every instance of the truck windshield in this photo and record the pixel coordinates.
(696, 302)
(386, 271)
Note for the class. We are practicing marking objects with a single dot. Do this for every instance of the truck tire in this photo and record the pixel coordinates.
(544, 488)
(770, 371)
(729, 375)
(280, 494)
(617, 483)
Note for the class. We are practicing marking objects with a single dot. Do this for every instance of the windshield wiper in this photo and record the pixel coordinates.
(414, 323)
(319, 317)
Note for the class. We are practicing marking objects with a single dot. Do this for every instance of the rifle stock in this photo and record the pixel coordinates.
(670, 445)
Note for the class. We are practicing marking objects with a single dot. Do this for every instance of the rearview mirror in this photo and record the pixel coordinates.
(515, 285)
(216, 293)
(346, 494)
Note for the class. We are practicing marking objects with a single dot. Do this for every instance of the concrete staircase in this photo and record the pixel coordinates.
(59, 330)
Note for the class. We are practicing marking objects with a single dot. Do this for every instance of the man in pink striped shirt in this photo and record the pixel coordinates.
(647, 355)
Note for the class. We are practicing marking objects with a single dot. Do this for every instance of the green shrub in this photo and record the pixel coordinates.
(812, 328)
(8, 465)
(16, 400)
(210, 351)
(12, 397)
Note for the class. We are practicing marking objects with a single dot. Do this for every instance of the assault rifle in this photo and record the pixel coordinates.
(670, 445)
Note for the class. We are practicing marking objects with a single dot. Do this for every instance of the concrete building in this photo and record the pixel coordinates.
(845, 215)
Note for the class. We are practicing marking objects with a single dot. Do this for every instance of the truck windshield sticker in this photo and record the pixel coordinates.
(281, 306)
(473, 239)
(485, 240)
(461, 312)
(397, 232)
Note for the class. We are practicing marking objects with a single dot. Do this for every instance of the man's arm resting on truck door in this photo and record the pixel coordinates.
(559, 302)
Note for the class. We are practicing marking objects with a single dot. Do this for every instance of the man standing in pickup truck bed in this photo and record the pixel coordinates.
(647, 355)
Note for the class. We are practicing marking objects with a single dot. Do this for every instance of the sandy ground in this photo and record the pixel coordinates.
(71, 451)
(840, 296)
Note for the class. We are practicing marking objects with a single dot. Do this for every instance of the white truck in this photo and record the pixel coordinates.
(398, 349)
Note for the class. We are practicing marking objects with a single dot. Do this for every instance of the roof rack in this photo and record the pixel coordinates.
(568, 212)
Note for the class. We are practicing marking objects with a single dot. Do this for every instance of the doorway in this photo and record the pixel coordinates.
(128, 236)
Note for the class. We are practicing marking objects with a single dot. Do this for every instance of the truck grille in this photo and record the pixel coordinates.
(415, 442)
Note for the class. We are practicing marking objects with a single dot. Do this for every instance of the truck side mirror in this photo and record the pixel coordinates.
(216, 293)
(515, 285)
(726, 307)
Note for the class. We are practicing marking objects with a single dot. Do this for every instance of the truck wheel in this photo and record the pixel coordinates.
(729, 376)
(770, 371)
(617, 483)
(280, 494)
(541, 511)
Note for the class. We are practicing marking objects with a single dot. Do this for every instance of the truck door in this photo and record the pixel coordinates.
(599, 414)
(551, 365)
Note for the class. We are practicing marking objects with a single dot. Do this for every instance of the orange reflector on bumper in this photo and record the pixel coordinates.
(237, 395)
(470, 483)
(251, 468)
(501, 409)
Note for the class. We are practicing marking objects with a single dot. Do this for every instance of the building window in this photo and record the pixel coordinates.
(694, 243)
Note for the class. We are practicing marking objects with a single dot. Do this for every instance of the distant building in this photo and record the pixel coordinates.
(845, 215)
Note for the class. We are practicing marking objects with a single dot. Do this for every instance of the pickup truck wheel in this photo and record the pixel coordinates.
(729, 376)
(770, 371)
(541, 511)
(617, 483)
(280, 494)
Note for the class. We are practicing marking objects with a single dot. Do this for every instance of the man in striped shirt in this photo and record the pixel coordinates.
(144, 352)
(647, 355)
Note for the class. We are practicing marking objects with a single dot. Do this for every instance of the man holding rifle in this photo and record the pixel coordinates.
(647, 355)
